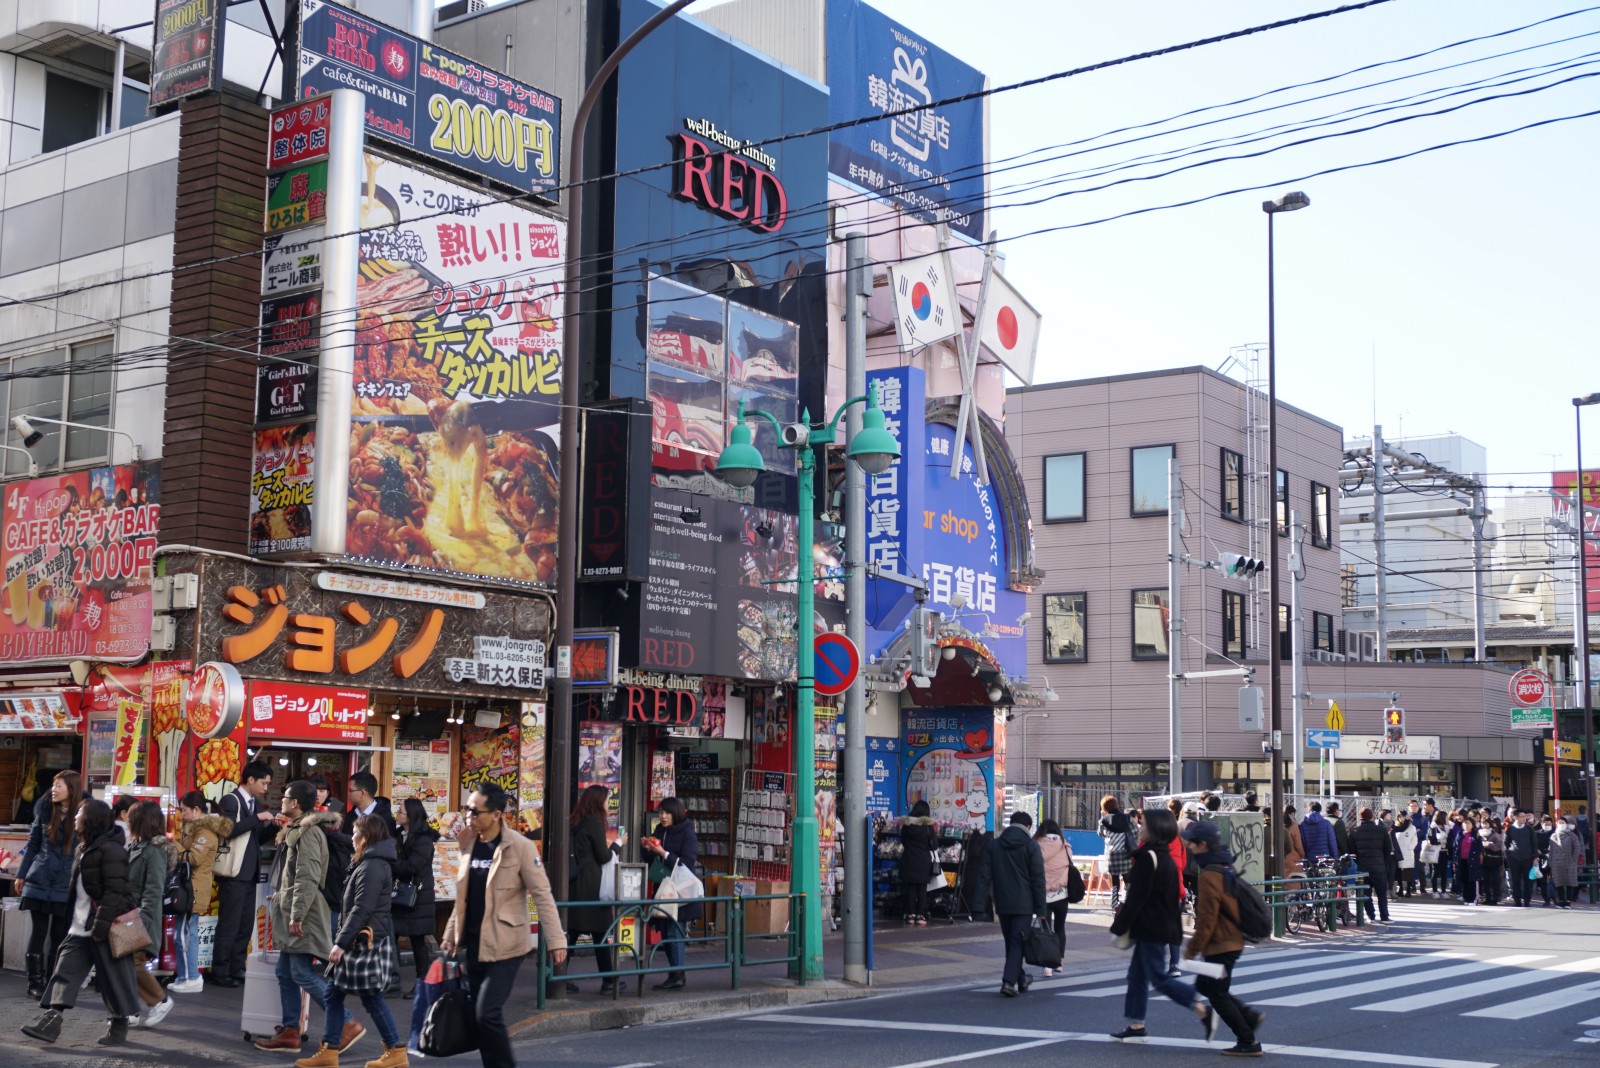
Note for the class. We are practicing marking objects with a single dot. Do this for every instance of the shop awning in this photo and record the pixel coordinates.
(38, 712)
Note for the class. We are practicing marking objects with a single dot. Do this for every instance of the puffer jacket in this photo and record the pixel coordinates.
(103, 866)
(1057, 862)
(919, 837)
(149, 862)
(297, 872)
(367, 889)
(1150, 911)
(197, 843)
(46, 870)
(1316, 833)
(1373, 847)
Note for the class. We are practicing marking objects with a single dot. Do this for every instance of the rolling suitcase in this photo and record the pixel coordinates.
(263, 1009)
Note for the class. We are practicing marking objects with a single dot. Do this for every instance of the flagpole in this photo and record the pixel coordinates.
(968, 409)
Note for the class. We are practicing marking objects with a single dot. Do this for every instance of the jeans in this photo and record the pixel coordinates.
(1147, 969)
(296, 972)
(1378, 887)
(491, 986)
(186, 950)
(1235, 1013)
(1013, 928)
(672, 940)
(334, 1017)
(236, 920)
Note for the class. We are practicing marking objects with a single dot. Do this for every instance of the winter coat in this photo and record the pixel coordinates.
(414, 864)
(1115, 823)
(1341, 835)
(1316, 835)
(1405, 843)
(149, 862)
(589, 855)
(1150, 911)
(1294, 860)
(1520, 849)
(367, 895)
(1373, 848)
(1566, 855)
(1057, 862)
(103, 864)
(1471, 866)
(1216, 910)
(1494, 848)
(682, 847)
(197, 843)
(1012, 874)
(297, 872)
(1541, 844)
(515, 874)
(46, 870)
(919, 838)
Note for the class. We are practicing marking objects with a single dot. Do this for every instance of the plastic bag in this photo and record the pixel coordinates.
(666, 890)
(608, 879)
(442, 975)
(686, 882)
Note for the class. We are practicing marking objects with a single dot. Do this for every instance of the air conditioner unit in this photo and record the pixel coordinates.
(1366, 646)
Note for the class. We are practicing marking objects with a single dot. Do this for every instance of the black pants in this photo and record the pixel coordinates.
(47, 927)
(491, 986)
(917, 898)
(1466, 884)
(113, 974)
(421, 952)
(1235, 1013)
(1012, 929)
(1378, 887)
(236, 918)
(1494, 881)
(1521, 885)
(1058, 923)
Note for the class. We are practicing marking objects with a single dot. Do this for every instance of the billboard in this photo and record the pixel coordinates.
(1563, 482)
(186, 53)
(457, 383)
(282, 489)
(929, 162)
(77, 551)
(433, 101)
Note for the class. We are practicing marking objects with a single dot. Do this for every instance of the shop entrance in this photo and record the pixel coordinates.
(291, 763)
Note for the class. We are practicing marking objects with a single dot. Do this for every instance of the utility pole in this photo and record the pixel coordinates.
(1175, 626)
(1380, 553)
(857, 869)
(1297, 655)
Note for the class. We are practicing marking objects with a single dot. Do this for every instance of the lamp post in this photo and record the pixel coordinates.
(874, 449)
(1587, 704)
(1287, 202)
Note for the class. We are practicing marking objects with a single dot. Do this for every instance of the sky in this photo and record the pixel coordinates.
(1453, 292)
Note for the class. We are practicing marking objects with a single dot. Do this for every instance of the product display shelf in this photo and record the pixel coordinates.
(708, 795)
(761, 835)
(887, 895)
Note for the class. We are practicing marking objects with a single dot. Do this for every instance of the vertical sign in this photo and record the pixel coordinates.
(616, 493)
(186, 54)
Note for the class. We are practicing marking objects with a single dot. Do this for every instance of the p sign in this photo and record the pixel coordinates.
(1530, 687)
(837, 664)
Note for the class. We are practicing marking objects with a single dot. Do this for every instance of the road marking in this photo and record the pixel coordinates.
(975, 1054)
(1542, 1003)
(1359, 1056)
(1271, 961)
(1389, 983)
(1272, 984)
(1407, 961)
(1486, 987)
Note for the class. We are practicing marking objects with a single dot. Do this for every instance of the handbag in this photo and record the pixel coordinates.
(937, 881)
(1040, 946)
(1075, 887)
(1430, 854)
(229, 860)
(128, 934)
(404, 895)
(364, 969)
(451, 1025)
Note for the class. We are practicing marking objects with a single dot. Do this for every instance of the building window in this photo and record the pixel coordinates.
(76, 111)
(1065, 627)
(1321, 516)
(1148, 464)
(1232, 485)
(1150, 623)
(1232, 623)
(1322, 631)
(1283, 502)
(1285, 639)
(1063, 488)
(71, 383)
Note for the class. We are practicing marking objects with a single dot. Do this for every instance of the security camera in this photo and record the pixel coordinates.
(30, 434)
(795, 434)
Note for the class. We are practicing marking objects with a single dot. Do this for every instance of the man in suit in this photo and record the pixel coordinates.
(365, 802)
(236, 897)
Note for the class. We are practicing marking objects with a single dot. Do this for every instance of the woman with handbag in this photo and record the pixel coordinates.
(413, 884)
(673, 842)
(203, 831)
(1057, 875)
(1117, 830)
(590, 855)
(1493, 875)
(150, 856)
(919, 840)
(104, 929)
(362, 958)
(45, 871)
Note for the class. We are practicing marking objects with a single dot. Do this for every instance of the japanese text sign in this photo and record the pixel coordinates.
(297, 133)
(282, 486)
(130, 739)
(292, 261)
(186, 54)
(297, 197)
(76, 550)
(501, 661)
(307, 713)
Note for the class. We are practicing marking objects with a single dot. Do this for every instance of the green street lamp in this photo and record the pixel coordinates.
(873, 448)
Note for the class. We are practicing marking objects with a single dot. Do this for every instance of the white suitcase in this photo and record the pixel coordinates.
(263, 1009)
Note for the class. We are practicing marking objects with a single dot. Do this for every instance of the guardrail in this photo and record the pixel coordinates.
(629, 937)
(1327, 894)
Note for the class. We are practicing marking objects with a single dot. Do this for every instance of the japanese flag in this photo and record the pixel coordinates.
(1009, 328)
(924, 301)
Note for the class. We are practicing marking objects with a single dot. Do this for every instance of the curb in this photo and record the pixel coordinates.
(554, 1022)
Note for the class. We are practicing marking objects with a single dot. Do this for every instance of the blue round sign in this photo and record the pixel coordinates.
(837, 664)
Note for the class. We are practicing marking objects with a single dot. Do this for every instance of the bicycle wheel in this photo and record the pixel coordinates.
(1319, 916)
(1295, 918)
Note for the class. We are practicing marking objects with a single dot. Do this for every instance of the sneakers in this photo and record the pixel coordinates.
(157, 1012)
(1131, 1034)
(1209, 1022)
(350, 1035)
(283, 1040)
(186, 986)
(1048, 972)
(1239, 1049)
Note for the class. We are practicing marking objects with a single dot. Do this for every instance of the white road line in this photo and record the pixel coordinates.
(1411, 981)
(1270, 961)
(1486, 988)
(1542, 1003)
(977, 1053)
(1359, 1056)
(1410, 960)
(1590, 1023)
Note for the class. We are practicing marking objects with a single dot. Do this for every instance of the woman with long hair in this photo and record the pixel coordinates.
(590, 855)
(415, 866)
(151, 855)
(203, 831)
(1057, 868)
(919, 840)
(45, 874)
(97, 894)
(1120, 837)
(673, 842)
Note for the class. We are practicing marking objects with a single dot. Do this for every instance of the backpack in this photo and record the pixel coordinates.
(340, 849)
(177, 897)
(1255, 920)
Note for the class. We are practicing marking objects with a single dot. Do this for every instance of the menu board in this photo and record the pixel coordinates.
(446, 862)
(40, 712)
(422, 771)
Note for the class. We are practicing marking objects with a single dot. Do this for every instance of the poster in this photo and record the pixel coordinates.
(948, 761)
(167, 727)
(186, 54)
(490, 754)
(883, 776)
(530, 786)
(422, 771)
(282, 489)
(457, 384)
(600, 762)
(77, 553)
(102, 747)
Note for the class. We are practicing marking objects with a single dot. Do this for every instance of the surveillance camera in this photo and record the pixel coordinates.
(29, 434)
(795, 434)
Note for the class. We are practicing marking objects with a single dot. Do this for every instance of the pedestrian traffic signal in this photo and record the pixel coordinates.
(1241, 566)
(1394, 724)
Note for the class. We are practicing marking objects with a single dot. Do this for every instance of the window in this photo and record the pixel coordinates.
(1063, 488)
(1232, 485)
(1232, 623)
(1065, 621)
(74, 111)
(1150, 622)
(1148, 464)
(1283, 502)
(1321, 516)
(1322, 631)
(72, 383)
(1285, 641)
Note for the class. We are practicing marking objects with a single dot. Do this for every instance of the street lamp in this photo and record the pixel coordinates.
(1287, 202)
(873, 449)
(1578, 497)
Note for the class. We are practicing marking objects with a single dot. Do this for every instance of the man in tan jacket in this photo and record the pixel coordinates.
(499, 870)
(1216, 935)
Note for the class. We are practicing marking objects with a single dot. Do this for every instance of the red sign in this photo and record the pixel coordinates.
(1530, 687)
(666, 708)
(308, 713)
(298, 132)
(723, 181)
(1563, 482)
(837, 664)
(214, 701)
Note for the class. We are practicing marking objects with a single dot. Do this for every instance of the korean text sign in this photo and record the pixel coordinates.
(432, 100)
(307, 713)
(931, 161)
(76, 550)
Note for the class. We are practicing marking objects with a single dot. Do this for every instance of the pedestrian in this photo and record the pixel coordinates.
(1317, 836)
(119, 815)
(1386, 823)
(1187, 874)
(236, 895)
(673, 842)
(1057, 856)
(1012, 877)
(202, 832)
(1210, 802)
(150, 857)
(361, 950)
(364, 801)
(1468, 853)
(1541, 850)
(326, 802)
(1251, 801)
(1522, 856)
(590, 855)
(1216, 936)
(1566, 855)
(919, 840)
(1373, 847)
(1294, 845)
(488, 924)
(1151, 920)
(413, 866)
(1493, 871)
(1442, 864)
(1405, 848)
(97, 894)
(46, 874)
(1341, 832)
(301, 929)
(1120, 839)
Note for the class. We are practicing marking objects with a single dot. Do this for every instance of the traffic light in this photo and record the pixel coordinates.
(1394, 724)
(1241, 566)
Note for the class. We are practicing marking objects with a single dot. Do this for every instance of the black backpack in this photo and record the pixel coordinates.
(1255, 919)
(177, 897)
(340, 849)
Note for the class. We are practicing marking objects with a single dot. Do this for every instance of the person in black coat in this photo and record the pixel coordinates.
(46, 874)
(365, 927)
(673, 842)
(98, 893)
(1374, 848)
(919, 839)
(365, 802)
(414, 865)
(253, 827)
(590, 854)
(1013, 874)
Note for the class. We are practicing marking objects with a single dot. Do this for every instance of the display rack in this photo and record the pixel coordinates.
(708, 795)
(761, 842)
(954, 848)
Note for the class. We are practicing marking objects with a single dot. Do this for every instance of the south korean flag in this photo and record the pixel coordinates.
(924, 301)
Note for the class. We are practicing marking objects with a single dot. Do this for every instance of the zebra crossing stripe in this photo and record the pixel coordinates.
(1272, 963)
(1272, 960)
(1542, 1003)
(1485, 988)
(1407, 961)
(1423, 977)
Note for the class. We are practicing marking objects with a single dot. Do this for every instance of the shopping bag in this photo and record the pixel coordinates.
(441, 974)
(450, 1024)
(936, 881)
(666, 891)
(686, 882)
(1040, 947)
(1533, 872)
(608, 879)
